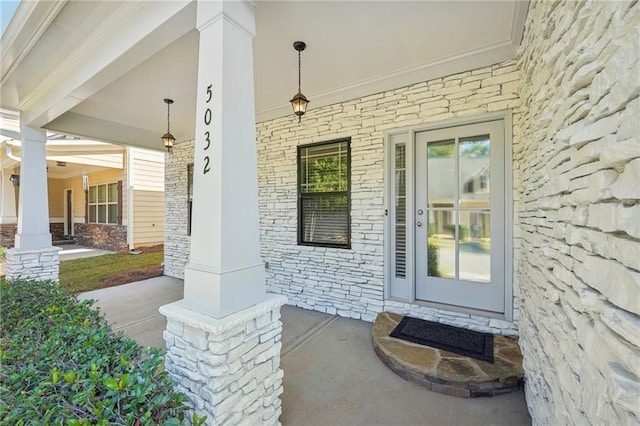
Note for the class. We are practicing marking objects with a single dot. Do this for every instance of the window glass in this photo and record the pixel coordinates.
(325, 220)
(190, 182)
(102, 193)
(441, 171)
(102, 213)
(103, 204)
(324, 168)
(189, 196)
(113, 213)
(323, 171)
(113, 193)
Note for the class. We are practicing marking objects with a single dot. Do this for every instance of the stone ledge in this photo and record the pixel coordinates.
(446, 372)
(19, 252)
(228, 368)
(187, 315)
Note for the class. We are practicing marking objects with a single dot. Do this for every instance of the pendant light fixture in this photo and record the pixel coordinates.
(168, 139)
(299, 102)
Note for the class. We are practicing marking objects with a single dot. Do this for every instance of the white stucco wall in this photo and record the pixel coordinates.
(577, 180)
(347, 282)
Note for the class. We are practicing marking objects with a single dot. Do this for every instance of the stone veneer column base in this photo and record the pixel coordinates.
(229, 368)
(8, 234)
(33, 264)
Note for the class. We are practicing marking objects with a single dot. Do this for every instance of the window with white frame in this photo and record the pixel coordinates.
(103, 203)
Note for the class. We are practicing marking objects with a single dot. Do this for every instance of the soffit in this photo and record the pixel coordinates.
(354, 48)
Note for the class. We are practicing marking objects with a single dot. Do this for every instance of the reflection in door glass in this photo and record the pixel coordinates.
(441, 246)
(474, 245)
(441, 173)
(474, 172)
(458, 204)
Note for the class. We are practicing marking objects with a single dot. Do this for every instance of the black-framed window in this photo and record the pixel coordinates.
(324, 199)
(189, 195)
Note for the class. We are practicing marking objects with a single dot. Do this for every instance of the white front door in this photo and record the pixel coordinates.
(459, 216)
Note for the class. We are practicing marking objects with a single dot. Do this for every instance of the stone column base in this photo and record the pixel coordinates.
(33, 264)
(8, 234)
(229, 368)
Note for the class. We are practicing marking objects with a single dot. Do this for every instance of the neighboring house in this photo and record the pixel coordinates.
(99, 195)
(500, 138)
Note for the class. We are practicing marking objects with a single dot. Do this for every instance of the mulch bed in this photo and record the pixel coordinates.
(131, 276)
(152, 249)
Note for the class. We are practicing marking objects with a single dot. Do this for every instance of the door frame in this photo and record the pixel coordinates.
(67, 219)
(403, 290)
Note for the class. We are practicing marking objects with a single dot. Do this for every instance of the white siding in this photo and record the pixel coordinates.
(148, 217)
(147, 182)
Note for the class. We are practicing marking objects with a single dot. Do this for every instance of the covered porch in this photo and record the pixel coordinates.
(331, 374)
(529, 108)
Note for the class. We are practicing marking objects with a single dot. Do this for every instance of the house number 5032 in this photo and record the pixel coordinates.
(207, 133)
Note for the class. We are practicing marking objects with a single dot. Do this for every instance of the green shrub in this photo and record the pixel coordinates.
(3, 254)
(62, 364)
(463, 231)
(432, 260)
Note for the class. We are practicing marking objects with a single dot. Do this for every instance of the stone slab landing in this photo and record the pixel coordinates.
(447, 372)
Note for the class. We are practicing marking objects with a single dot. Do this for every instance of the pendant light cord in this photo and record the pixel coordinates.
(168, 125)
(299, 72)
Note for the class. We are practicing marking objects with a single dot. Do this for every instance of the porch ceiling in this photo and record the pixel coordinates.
(101, 69)
(68, 158)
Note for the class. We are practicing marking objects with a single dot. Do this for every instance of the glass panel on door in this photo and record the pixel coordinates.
(474, 244)
(455, 260)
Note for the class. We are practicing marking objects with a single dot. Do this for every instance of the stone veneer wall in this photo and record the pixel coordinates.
(348, 283)
(56, 229)
(351, 282)
(105, 237)
(577, 176)
(228, 368)
(8, 234)
(176, 209)
(33, 264)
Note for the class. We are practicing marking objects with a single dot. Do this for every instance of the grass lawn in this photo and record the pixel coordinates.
(91, 273)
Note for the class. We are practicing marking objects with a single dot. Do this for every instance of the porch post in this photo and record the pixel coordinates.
(33, 256)
(8, 216)
(225, 272)
(223, 338)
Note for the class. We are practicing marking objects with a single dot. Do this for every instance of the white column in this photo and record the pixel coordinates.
(33, 257)
(7, 198)
(33, 205)
(226, 320)
(225, 272)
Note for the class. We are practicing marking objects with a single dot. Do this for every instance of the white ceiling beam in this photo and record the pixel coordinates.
(130, 35)
(27, 26)
(106, 131)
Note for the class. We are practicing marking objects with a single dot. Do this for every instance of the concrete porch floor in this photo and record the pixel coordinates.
(331, 373)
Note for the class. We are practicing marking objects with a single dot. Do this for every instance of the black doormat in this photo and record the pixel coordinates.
(453, 339)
